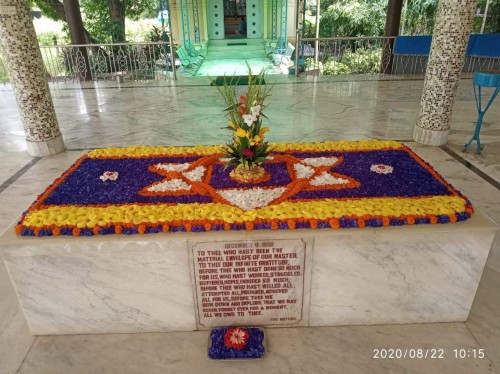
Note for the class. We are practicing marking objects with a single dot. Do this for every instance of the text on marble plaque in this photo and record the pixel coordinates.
(250, 280)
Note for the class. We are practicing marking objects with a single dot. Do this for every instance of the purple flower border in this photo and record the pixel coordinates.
(254, 348)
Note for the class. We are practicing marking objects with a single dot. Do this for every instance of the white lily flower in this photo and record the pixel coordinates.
(256, 110)
(249, 119)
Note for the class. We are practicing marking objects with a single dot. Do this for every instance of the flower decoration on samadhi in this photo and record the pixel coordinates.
(109, 175)
(382, 169)
(236, 338)
(247, 146)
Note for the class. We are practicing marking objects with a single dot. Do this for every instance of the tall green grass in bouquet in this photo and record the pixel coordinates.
(245, 111)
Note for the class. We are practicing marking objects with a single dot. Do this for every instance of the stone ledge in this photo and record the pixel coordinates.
(143, 283)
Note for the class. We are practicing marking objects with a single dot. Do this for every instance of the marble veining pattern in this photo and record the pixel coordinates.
(484, 322)
(112, 115)
(350, 349)
(395, 277)
(118, 284)
(123, 287)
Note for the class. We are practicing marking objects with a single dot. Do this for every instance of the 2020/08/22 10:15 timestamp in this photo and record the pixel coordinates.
(427, 353)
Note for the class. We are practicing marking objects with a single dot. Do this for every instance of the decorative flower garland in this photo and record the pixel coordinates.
(236, 343)
(247, 148)
(159, 189)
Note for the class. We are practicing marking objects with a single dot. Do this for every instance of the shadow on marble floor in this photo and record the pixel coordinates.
(298, 112)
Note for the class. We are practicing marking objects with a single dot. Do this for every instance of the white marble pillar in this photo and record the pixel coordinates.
(28, 77)
(449, 40)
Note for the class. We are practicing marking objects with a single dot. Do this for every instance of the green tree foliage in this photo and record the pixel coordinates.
(419, 17)
(352, 18)
(100, 23)
(52, 38)
(352, 61)
(53, 9)
(104, 20)
(492, 24)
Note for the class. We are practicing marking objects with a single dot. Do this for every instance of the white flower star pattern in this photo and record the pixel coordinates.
(194, 178)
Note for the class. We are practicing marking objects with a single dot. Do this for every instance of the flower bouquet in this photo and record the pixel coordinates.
(247, 148)
(236, 343)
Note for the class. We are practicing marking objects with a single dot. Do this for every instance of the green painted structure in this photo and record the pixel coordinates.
(201, 22)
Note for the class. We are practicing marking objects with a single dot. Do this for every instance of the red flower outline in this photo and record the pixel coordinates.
(236, 338)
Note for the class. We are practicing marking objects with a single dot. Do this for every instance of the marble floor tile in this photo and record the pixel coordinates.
(15, 336)
(156, 353)
(190, 112)
(493, 261)
(8, 169)
(484, 318)
(307, 350)
(351, 349)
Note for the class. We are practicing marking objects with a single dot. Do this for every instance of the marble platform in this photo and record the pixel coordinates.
(143, 283)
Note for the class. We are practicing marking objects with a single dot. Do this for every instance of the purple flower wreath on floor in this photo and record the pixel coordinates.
(236, 343)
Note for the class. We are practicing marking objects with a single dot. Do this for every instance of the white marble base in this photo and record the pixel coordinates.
(395, 277)
(46, 148)
(430, 137)
(423, 273)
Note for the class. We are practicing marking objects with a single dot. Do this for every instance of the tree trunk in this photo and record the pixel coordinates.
(392, 23)
(117, 14)
(58, 8)
(74, 19)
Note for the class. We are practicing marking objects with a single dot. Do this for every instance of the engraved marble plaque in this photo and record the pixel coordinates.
(249, 282)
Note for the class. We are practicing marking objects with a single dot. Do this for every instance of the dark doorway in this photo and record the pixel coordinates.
(235, 19)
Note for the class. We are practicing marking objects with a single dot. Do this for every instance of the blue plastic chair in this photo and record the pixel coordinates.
(483, 79)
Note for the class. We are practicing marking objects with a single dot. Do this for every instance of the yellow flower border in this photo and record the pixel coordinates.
(204, 150)
(89, 217)
(93, 220)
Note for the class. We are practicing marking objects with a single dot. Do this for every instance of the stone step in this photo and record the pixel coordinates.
(236, 49)
(225, 42)
(221, 55)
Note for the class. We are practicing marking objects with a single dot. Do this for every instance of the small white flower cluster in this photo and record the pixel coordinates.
(320, 161)
(381, 169)
(251, 118)
(251, 198)
(173, 167)
(170, 185)
(177, 184)
(325, 179)
(303, 171)
(109, 175)
(196, 174)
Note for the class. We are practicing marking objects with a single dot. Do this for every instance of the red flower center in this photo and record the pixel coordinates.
(236, 338)
(247, 152)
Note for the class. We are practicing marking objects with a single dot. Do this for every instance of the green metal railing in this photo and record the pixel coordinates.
(119, 62)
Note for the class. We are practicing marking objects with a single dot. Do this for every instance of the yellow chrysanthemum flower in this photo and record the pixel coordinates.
(255, 140)
(240, 133)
